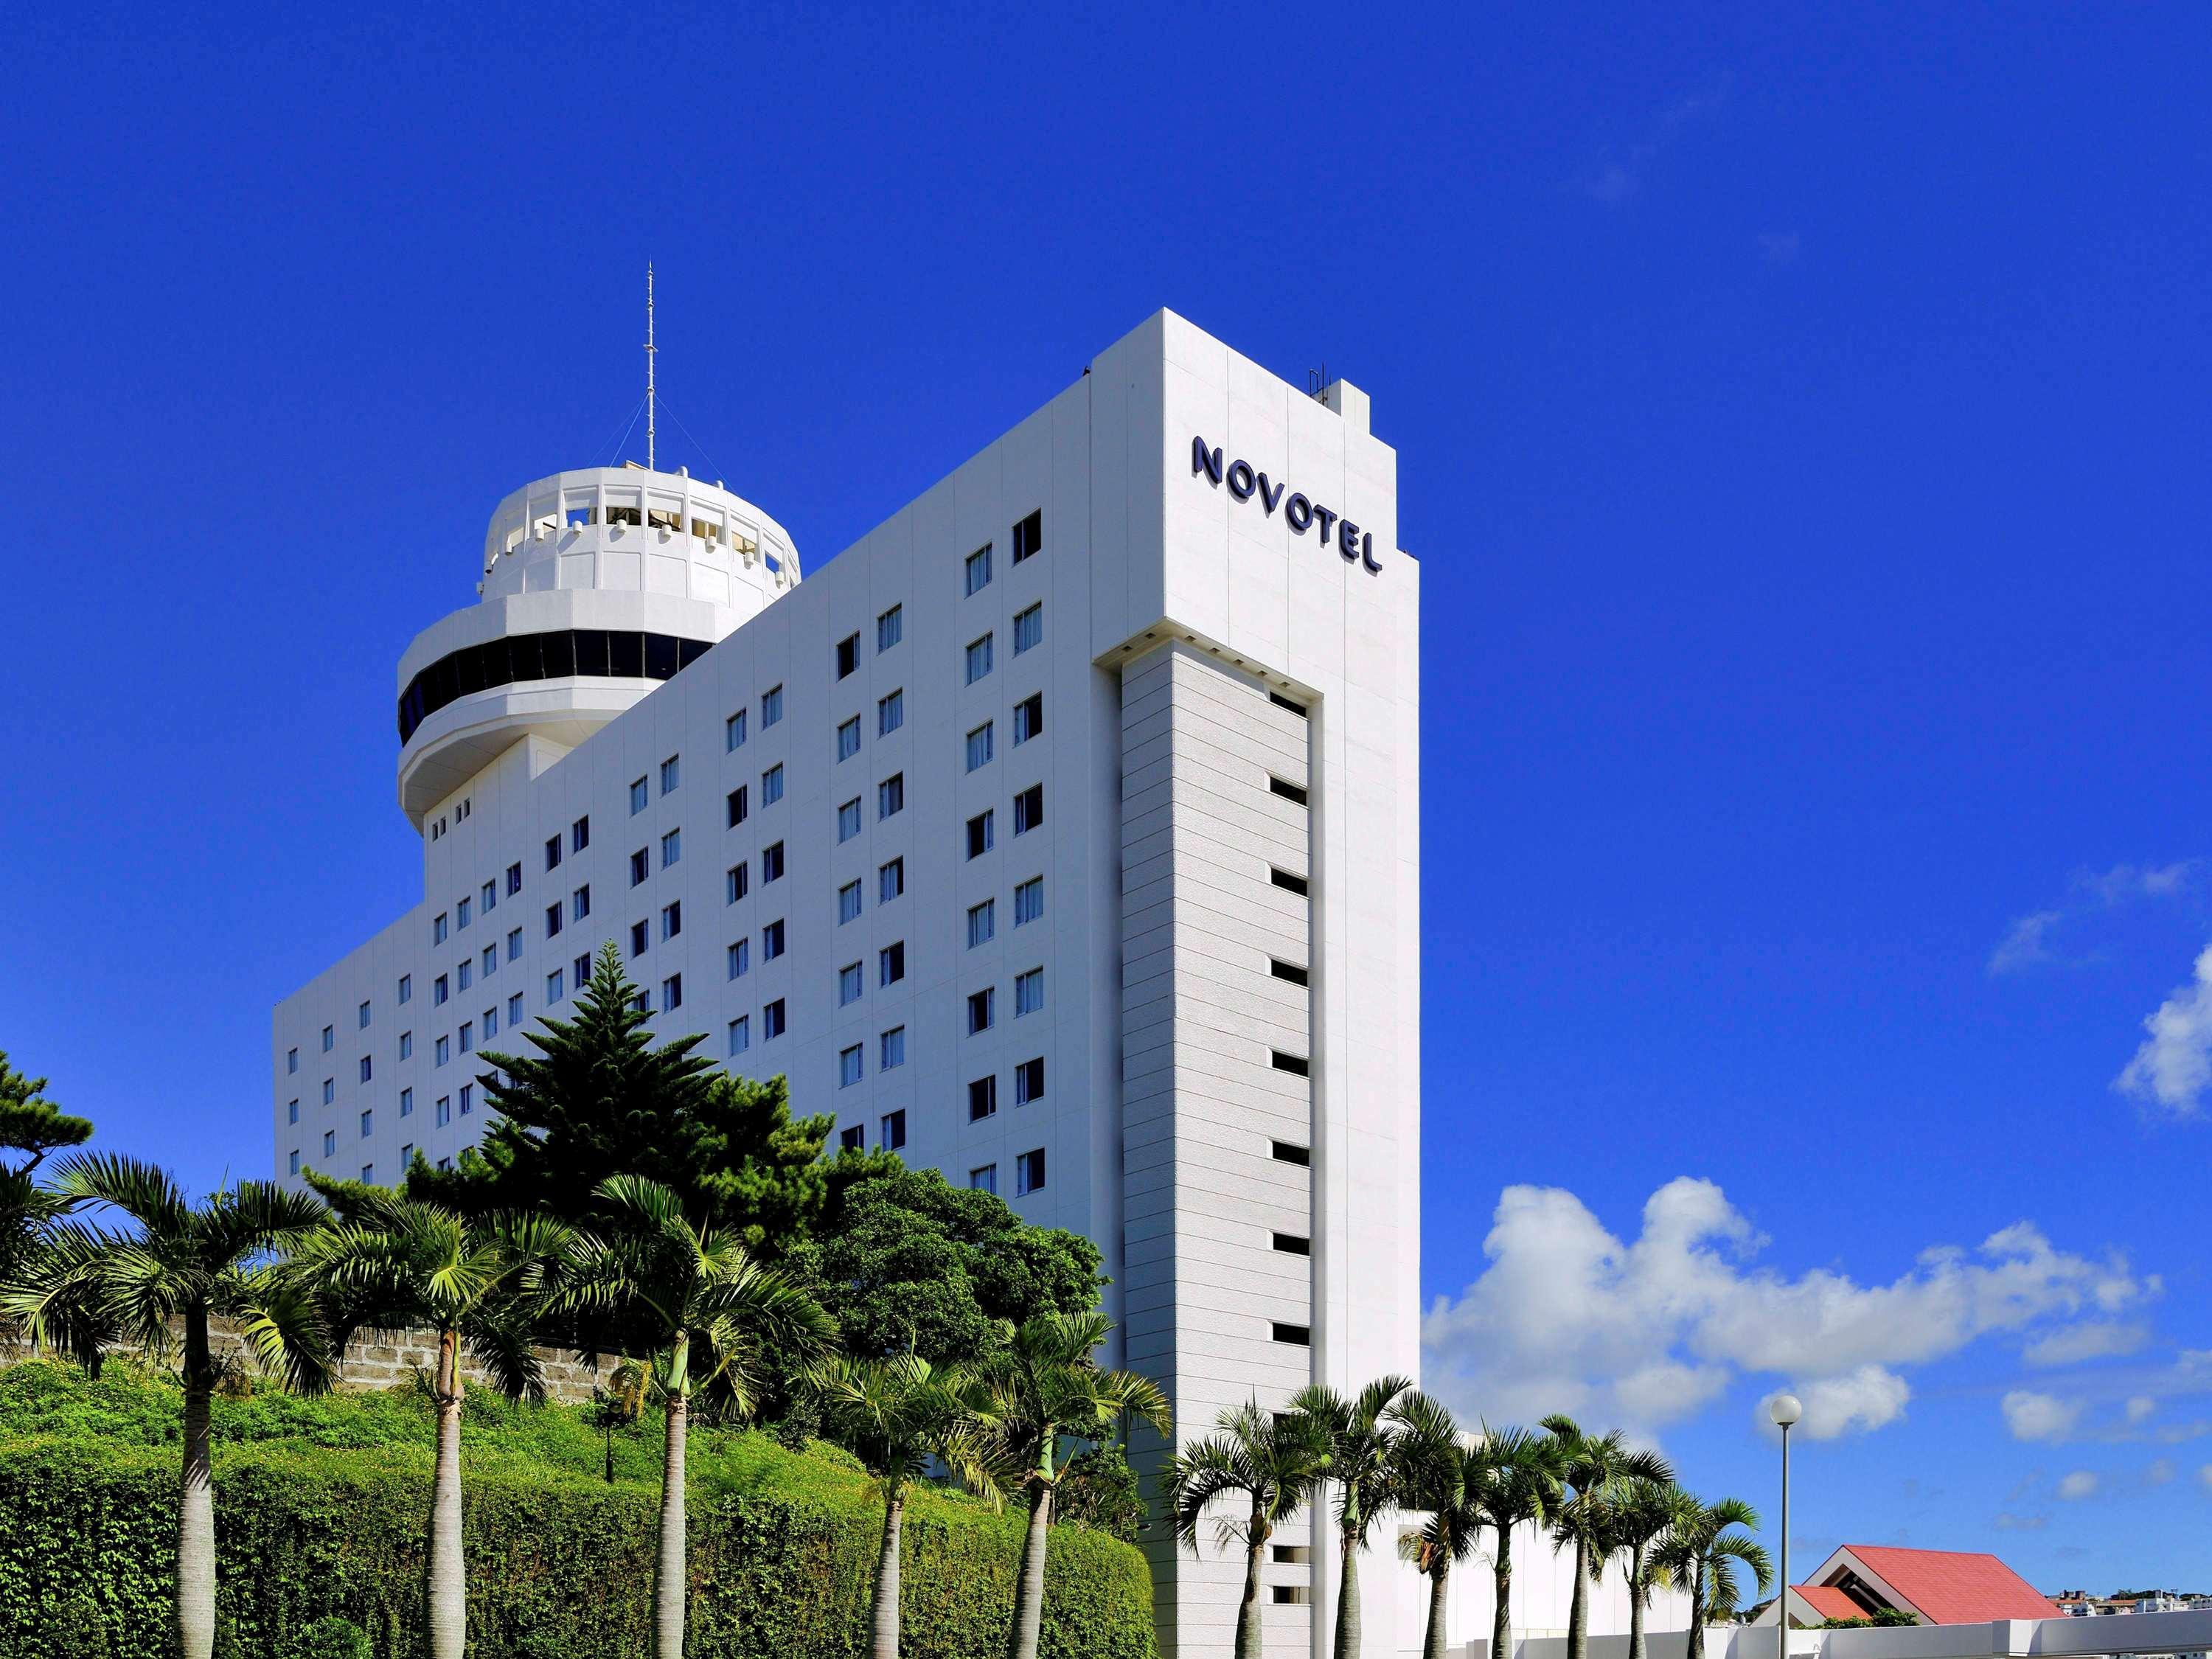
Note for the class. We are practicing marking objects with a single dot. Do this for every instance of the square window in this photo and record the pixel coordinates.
(891, 713)
(1029, 535)
(406, 1103)
(736, 881)
(771, 863)
(641, 866)
(330, 1038)
(406, 987)
(553, 986)
(890, 1048)
(892, 1131)
(890, 628)
(1029, 1081)
(580, 833)
(514, 945)
(890, 880)
(982, 922)
(672, 770)
(1029, 808)
(772, 785)
(855, 1140)
(741, 1034)
(848, 1073)
(1029, 1172)
(291, 1111)
(407, 1045)
(848, 739)
(1028, 900)
(848, 903)
(552, 852)
(848, 820)
(983, 1009)
(771, 707)
(638, 796)
(773, 1021)
(640, 937)
(672, 848)
(978, 569)
(983, 1098)
(553, 915)
(979, 747)
(514, 1010)
(1028, 717)
(1028, 629)
(438, 985)
(1028, 992)
(984, 1178)
(891, 964)
(848, 984)
(671, 993)
(739, 957)
(734, 806)
(772, 940)
(891, 795)
(364, 1068)
(734, 732)
(671, 920)
(848, 655)
(979, 834)
(362, 1018)
(292, 1060)
(513, 878)
(979, 659)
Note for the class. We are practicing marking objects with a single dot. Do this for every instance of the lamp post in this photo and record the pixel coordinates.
(1785, 1409)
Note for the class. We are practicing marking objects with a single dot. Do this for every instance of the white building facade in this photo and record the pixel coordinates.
(1062, 833)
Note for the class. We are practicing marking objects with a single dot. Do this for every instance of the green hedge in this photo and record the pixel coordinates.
(560, 1562)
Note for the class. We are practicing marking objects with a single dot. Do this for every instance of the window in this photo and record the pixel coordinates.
(741, 1034)
(1289, 792)
(468, 1036)
(465, 974)
(891, 713)
(983, 1009)
(407, 1155)
(640, 937)
(438, 985)
(295, 1162)
(890, 1051)
(848, 1071)
(362, 1018)
(848, 984)
(848, 655)
(330, 1087)
(1287, 970)
(979, 834)
(984, 1179)
(739, 957)
(468, 1098)
(983, 1098)
(1029, 1081)
(1293, 1244)
(892, 1131)
(1029, 1172)
(438, 928)
(979, 747)
(855, 1140)
(1029, 535)
(291, 1111)
(460, 915)
(891, 796)
(491, 1021)
(552, 927)
(514, 944)
(848, 739)
(671, 993)
(890, 880)
(489, 960)
(1028, 629)
(1028, 900)
(671, 773)
(848, 903)
(364, 1068)
(1284, 1152)
(292, 1060)
(982, 922)
(514, 1010)
(580, 972)
(772, 940)
(772, 785)
(891, 964)
(330, 1038)
(553, 986)
(773, 1022)
(771, 863)
(1029, 808)
(1286, 881)
(445, 1112)
(734, 805)
(736, 881)
(672, 848)
(552, 852)
(329, 1143)
(638, 796)
(671, 920)
(978, 569)
(1296, 1335)
(406, 1103)
(1295, 1065)
(641, 866)
(368, 1123)
(890, 628)
(513, 878)
(487, 900)
(580, 833)
(1028, 992)
(734, 732)
(1028, 717)
(771, 707)
(979, 659)
(848, 820)
(407, 1045)
(406, 987)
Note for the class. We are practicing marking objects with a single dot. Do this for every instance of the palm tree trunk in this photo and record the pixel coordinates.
(1501, 1616)
(670, 1573)
(1698, 1613)
(886, 1611)
(1347, 1597)
(449, 1592)
(1432, 1643)
(1029, 1588)
(1579, 1608)
(196, 1499)
(1247, 1610)
(1636, 1604)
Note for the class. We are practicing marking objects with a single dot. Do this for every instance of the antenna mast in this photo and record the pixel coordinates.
(649, 349)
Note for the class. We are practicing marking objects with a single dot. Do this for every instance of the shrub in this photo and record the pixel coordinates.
(333, 1638)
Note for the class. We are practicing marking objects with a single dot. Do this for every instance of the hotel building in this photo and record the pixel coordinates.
(1062, 833)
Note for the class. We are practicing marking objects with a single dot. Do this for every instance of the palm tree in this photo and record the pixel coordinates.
(179, 1265)
(1365, 1474)
(1699, 1551)
(895, 1415)
(477, 1282)
(712, 1314)
(1437, 1467)
(1273, 1463)
(1634, 1529)
(1521, 1485)
(1596, 1467)
(1043, 1387)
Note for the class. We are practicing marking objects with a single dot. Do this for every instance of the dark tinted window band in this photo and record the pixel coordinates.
(567, 654)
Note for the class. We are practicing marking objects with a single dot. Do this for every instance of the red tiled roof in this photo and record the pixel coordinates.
(1951, 1587)
(1827, 1601)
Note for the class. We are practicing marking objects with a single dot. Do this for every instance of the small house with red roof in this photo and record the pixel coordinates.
(1935, 1587)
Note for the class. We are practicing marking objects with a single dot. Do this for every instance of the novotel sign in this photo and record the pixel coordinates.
(1246, 483)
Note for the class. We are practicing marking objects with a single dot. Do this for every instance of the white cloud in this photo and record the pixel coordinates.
(2161, 1473)
(2033, 1416)
(2093, 1339)
(1644, 1332)
(2028, 942)
(1621, 173)
(2081, 1484)
(2204, 1475)
(2025, 945)
(2140, 1407)
(2173, 1065)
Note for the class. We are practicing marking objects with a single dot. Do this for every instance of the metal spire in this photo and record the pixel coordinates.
(649, 367)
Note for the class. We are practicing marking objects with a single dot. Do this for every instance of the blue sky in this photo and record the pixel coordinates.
(1801, 419)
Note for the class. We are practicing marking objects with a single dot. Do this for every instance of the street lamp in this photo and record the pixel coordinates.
(1785, 1409)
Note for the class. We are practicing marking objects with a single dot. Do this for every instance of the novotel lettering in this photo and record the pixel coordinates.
(1299, 513)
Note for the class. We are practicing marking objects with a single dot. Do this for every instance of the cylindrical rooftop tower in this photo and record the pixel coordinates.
(596, 586)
